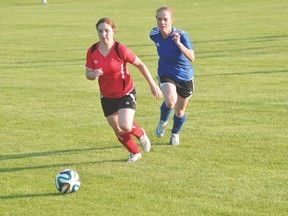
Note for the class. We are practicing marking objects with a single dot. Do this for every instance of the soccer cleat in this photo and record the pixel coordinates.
(133, 157)
(174, 139)
(160, 130)
(145, 142)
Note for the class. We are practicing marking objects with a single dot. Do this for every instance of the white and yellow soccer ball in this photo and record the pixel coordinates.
(67, 181)
(43, 2)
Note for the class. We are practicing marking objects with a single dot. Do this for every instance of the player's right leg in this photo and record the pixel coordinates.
(170, 95)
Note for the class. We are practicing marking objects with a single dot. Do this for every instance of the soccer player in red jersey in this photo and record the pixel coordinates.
(107, 61)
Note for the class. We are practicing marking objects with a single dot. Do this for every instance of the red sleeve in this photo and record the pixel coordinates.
(89, 61)
(127, 54)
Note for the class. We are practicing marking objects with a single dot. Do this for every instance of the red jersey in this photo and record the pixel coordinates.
(115, 81)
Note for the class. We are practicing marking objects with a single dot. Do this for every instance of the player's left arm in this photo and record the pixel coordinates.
(188, 53)
(130, 57)
(155, 90)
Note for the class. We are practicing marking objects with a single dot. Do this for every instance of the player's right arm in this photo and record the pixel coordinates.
(93, 74)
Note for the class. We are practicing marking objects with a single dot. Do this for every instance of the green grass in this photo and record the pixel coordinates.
(232, 159)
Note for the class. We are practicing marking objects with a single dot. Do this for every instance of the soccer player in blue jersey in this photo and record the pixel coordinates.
(175, 72)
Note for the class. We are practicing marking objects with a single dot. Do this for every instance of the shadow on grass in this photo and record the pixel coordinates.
(49, 153)
(13, 169)
(17, 196)
(251, 39)
(161, 143)
(243, 73)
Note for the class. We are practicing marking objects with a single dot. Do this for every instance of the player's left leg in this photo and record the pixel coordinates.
(124, 138)
(184, 92)
(178, 119)
(141, 135)
(127, 124)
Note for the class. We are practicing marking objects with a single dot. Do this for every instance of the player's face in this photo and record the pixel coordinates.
(164, 21)
(105, 32)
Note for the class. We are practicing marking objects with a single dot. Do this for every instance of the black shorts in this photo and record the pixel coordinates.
(183, 89)
(112, 105)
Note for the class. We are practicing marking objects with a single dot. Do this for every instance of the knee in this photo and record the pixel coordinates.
(170, 104)
(125, 128)
(118, 132)
(179, 112)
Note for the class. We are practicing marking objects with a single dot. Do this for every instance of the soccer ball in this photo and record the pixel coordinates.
(67, 181)
(43, 2)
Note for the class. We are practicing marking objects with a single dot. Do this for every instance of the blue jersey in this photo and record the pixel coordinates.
(172, 62)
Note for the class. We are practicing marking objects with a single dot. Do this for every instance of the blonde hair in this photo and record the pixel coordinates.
(166, 8)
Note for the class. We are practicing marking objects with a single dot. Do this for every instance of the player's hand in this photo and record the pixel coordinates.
(156, 91)
(98, 72)
(176, 38)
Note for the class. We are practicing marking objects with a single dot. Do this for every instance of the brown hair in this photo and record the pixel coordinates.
(166, 8)
(107, 20)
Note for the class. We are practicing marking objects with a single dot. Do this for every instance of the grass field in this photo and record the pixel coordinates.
(232, 159)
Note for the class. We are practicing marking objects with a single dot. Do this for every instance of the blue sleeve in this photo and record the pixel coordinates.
(186, 40)
(153, 33)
